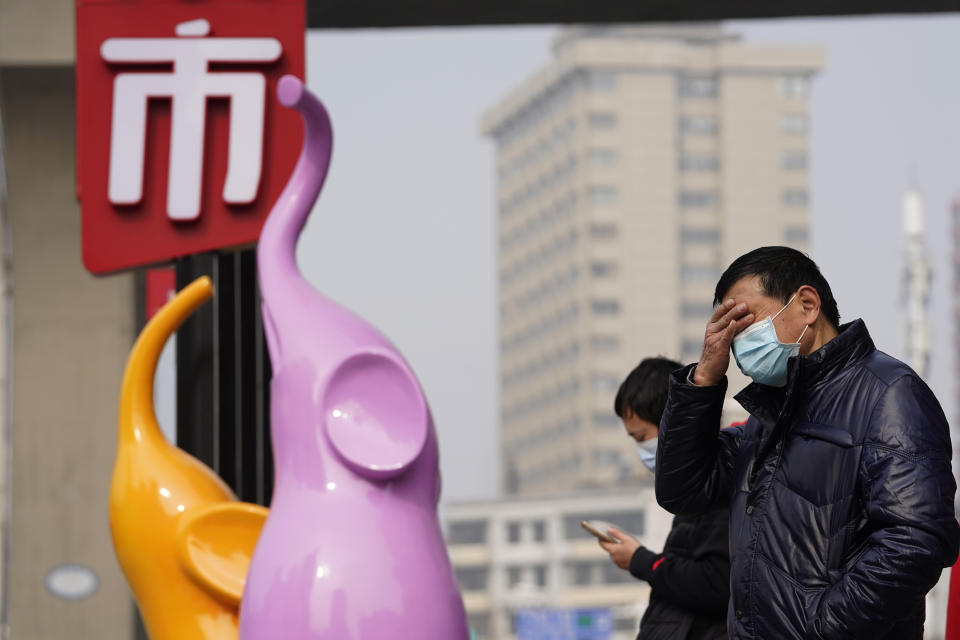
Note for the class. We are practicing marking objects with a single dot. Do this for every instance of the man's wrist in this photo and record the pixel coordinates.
(700, 380)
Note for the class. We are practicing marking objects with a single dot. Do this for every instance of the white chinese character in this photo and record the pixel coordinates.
(188, 86)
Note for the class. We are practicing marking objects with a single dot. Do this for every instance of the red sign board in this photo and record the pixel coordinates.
(181, 145)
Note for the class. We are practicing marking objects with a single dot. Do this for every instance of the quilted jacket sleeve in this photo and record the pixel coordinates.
(908, 489)
(695, 458)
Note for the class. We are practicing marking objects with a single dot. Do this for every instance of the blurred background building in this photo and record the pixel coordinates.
(631, 171)
(520, 554)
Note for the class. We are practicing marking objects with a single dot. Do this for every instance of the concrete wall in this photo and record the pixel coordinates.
(71, 336)
(36, 32)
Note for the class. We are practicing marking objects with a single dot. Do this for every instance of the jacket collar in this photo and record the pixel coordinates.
(851, 344)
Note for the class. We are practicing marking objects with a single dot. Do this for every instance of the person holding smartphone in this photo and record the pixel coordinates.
(689, 579)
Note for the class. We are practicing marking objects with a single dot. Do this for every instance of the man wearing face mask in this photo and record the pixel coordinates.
(689, 580)
(839, 485)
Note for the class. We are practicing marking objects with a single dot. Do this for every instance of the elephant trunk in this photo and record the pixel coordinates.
(276, 251)
(137, 417)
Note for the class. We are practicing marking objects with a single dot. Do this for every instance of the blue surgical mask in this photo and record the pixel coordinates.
(760, 354)
(647, 450)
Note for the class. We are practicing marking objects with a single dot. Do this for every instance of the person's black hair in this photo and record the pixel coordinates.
(644, 391)
(781, 271)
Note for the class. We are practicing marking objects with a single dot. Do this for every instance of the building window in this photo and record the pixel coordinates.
(698, 125)
(796, 235)
(602, 119)
(603, 269)
(694, 235)
(630, 522)
(699, 273)
(606, 457)
(468, 532)
(603, 194)
(513, 532)
(795, 198)
(601, 80)
(605, 343)
(514, 576)
(793, 123)
(702, 310)
(699, 162)
(794, 160)
(607, 420)
(612, 574)
(539, 531)
(698, 199)
(602, 158)
(580, 573)
(691, 86)
(603, 231)
(692, 346)
(472, 578)
(605, 307)
(480, 624)
(605, 382)
(540, 575)
(625, 625)
(794, 86)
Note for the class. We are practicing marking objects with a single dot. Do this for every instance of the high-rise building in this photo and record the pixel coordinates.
(631, 171)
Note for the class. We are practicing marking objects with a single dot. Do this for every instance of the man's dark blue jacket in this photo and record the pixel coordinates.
(840, 492)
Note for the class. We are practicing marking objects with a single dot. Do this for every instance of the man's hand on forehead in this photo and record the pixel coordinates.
(727, 320)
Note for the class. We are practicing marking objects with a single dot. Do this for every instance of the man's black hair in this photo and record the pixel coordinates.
(782, 271)
(644, 391)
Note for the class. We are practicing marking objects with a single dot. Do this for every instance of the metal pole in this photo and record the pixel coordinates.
(223, 374)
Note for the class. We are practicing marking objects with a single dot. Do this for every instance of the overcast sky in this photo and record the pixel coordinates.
(403, 232)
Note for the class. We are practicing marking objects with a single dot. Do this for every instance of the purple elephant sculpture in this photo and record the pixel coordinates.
(352, 547)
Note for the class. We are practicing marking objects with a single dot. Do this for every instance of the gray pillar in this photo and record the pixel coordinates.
(72, 333)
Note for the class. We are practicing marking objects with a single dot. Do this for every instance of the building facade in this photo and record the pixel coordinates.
(631, 171)
(531, 553)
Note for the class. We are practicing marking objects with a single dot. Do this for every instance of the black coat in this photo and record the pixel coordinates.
(840, 492)
(689, 581)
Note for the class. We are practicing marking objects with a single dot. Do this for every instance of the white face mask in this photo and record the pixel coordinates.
(647, 450)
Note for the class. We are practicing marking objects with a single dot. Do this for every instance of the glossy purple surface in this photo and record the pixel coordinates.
(352, 548)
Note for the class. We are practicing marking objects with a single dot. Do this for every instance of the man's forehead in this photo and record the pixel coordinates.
(748, 290)
(745, 287)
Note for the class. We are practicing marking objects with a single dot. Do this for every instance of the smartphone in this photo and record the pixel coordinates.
(599, 529)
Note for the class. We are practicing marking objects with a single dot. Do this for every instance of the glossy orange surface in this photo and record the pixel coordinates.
(182, 539)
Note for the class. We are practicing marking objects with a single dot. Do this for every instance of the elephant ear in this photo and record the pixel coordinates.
(375, 414)
(215, 543)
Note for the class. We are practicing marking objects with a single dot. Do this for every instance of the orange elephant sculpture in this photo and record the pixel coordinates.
(183, 540)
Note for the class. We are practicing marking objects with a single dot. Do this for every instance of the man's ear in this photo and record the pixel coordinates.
(810, 300)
